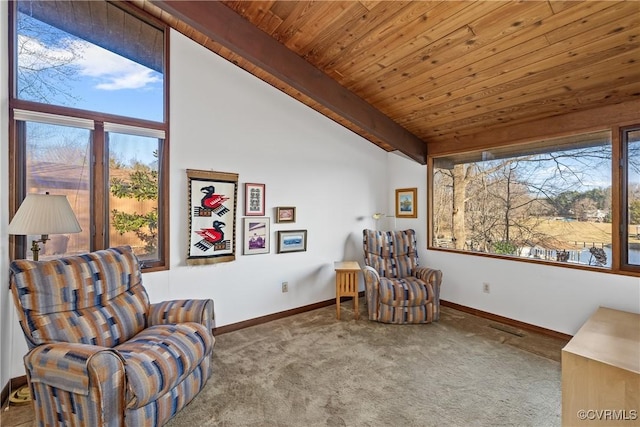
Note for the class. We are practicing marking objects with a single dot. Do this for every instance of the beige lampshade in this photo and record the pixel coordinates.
(44, 214)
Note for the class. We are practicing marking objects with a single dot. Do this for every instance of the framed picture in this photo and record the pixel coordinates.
(292, 241)
(254, 199)
(407, 203)
(285, 214)
(256, 236)
(212, 216)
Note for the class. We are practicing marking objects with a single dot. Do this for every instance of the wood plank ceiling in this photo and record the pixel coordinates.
(440, 71)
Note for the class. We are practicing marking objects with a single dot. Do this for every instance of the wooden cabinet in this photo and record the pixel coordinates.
(601, 371)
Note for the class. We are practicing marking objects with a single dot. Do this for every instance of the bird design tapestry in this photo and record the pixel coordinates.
(212, 213)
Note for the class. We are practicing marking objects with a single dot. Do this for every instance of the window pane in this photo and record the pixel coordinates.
(549, 201)
(68, 55)
(57, 161)
(133, 193)
(633, 197)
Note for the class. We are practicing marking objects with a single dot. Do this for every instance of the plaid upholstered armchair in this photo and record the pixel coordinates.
(99, 353)
(397, 289)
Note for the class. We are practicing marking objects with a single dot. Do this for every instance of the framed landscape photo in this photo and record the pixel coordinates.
(254, 199)
(407, 203)
(256, 236)
(292, 241)
(285, 214)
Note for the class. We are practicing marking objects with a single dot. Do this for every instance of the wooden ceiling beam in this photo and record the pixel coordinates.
(226, 27)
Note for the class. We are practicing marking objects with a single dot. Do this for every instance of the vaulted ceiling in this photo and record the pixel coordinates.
(407, 74)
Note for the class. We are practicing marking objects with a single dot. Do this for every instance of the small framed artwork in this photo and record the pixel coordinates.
(407, 203)
(285, 214)
(292, 241)
(256, 236)
(254, 199)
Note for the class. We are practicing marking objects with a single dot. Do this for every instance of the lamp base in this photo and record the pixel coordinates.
(21, 396)
(35, 248)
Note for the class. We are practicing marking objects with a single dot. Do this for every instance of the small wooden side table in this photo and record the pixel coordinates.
(347, 284)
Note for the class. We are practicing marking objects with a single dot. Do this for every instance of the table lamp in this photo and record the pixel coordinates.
(44, 214)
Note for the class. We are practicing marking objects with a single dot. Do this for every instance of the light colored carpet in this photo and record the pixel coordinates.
(313, 370)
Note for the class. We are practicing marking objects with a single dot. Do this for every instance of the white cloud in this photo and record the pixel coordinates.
(113, 71)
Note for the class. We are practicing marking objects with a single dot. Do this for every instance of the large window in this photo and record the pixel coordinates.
(89, 122)
(89, 55)
(549, 200)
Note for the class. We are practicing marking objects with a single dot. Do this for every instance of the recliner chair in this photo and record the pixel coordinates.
(397, 289)
(99, 353)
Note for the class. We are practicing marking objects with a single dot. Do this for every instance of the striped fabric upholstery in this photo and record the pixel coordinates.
(397, 289)
(161, 410)
(401, 315)
(161, 357)
(180, 311)
(44, 363)
(407, 291)
(102, 405)
(96, 298)
(100, 353)
(392, 253)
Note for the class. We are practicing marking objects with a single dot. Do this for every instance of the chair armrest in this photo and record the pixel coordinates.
(371, 288)
(371, 276)
(430, 275)
(75, 368)
(433, 279)
(180, 311)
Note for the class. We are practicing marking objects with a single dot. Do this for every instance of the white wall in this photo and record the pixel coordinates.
(404, 173)
(224, 119)
(555, 298)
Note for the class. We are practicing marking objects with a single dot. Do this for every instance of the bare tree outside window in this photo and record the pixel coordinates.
(551, 201)
(46, 63)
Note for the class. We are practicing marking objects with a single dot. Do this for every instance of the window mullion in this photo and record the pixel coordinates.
(99, 204)
(618, 216)
(17, 185)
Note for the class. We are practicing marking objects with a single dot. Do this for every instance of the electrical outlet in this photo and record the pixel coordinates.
(486, 288)
(285, 287)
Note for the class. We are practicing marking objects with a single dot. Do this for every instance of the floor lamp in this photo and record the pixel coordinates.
(42, 214)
